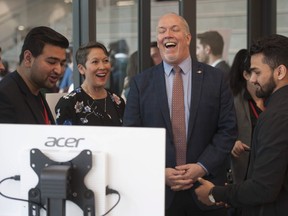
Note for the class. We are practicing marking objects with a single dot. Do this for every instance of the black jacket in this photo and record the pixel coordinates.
(18, 104)
(265, 192)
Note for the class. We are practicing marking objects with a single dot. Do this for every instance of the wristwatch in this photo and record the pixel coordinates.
(210, 196)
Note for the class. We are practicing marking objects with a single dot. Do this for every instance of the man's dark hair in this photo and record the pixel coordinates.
(38, 37)
(274, 48)
(214, 40)
(83, 51)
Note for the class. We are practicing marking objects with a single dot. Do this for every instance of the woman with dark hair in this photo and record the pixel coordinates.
(240, 64)
(91, 103)
(248, 107)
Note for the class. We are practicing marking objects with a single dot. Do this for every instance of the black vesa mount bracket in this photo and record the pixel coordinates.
(60, 181)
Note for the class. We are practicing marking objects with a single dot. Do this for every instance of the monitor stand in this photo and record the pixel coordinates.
(58, 182)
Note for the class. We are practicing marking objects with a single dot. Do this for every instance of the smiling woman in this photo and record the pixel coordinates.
(91, 103)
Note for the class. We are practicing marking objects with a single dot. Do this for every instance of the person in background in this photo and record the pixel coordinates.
(6, 70)
(265, 190)
(209, 49)
(209, 118)
(132, 67)
(118, 52)
(155, 53)
(41, 64)
(91, 103)
(67, 79)
(2, 67)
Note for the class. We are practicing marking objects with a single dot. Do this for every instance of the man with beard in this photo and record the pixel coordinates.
(42, 63)
(265, 191)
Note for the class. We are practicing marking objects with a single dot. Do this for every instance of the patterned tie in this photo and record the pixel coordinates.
(178, 117)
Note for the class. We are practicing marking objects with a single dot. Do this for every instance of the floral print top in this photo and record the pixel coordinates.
(78, 108)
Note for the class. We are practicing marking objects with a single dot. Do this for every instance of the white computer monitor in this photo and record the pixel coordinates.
(128, 160)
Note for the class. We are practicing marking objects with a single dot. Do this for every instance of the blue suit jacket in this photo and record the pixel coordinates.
(212, 121)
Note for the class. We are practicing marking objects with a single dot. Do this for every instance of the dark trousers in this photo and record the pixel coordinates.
(184, 205)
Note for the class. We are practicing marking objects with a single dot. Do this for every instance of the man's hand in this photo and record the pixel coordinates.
(203, 190)
(177, 180)
(183, 176)
(192, 171)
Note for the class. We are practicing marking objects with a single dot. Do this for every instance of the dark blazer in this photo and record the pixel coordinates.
(223, 66)
(18, 104)
(265, 192)
(212, 121)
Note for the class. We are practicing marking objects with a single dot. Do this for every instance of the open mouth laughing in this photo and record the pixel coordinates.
(170, 45)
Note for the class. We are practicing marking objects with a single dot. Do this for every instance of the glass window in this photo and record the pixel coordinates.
(117, 25)
(17, 17)
(227, 17)
(116, 28)
(282, 17)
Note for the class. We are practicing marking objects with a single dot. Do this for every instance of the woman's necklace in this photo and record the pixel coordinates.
(105, 100)
(104, 93)
(105, 108)
(105, 104)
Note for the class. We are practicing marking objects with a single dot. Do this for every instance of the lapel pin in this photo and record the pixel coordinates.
(199, 71)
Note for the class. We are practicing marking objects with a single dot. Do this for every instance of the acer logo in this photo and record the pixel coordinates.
(70, 142)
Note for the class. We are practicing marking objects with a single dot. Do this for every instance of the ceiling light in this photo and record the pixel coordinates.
(21, 28)
(125, 3)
